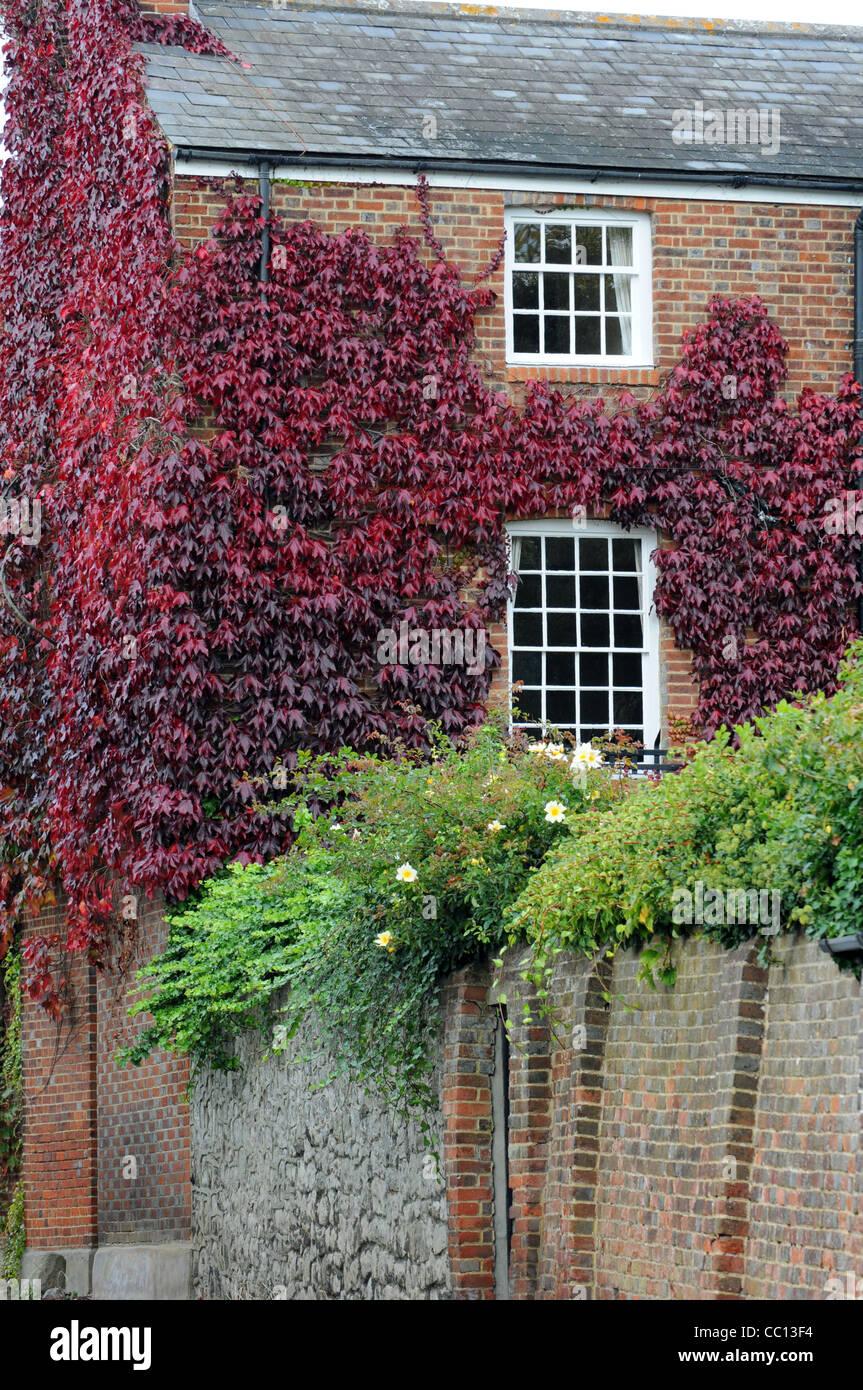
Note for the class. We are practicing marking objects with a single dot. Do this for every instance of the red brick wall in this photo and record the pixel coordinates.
(86, 1117)
(165, 7)
(60, 1116)
(678, 1097)
(144, 1157)
(807, 1177)
(696, 1142)
(797, 258)
(467, 1114)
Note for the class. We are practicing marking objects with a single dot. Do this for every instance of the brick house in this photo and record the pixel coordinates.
(636, 168)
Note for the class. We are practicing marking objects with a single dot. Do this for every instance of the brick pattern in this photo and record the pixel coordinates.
(529, 1131)
(798, 259)
(672, 1075)
(567, 1256)
(169, 7)
(807, 1219)
(468, 1047)
(144, 1149)
(696, 1142)
(60, 1115)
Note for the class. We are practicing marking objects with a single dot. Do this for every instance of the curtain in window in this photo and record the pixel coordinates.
(619, 244)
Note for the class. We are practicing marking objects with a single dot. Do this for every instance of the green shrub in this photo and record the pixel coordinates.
(13, 1237)
(782, 813)
(402, 871)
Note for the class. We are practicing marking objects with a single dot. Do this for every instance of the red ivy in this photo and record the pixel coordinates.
(241, 484)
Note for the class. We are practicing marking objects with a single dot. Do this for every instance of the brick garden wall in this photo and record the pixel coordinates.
(106, 1155)
(695, 1142)
(60, 1172)
(143, 1146)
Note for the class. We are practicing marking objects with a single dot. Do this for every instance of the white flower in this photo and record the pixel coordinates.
(405, 874)
(335, 825)
(555, 812)
(585, 756)
(356, 835)
(384, 939)
(547, 750)
(495, 825)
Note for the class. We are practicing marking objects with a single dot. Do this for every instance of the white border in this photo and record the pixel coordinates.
(398, 177)
(641, 358)
(649, 542)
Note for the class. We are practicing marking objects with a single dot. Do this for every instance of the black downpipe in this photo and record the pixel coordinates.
(858, 347)
(264, 190)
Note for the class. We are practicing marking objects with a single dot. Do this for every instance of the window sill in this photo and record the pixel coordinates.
(643, 375)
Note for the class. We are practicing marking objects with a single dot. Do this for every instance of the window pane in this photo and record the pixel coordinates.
(559, 553)
(525, 332)
(560, 706)
(594, 706)
(626, 593)
(618, 337)
(619, 245)
(627, 670)
(527, 242)
(560, 591)
(561, 630)
(527, 629)
(588, 342)
(611, 305)
(531, 553)
(557, 336)
(627, 707)
(586, 291)
(593, 667)
(558, 243)
(593, 553)
(555, 289)
(529, 702)
(594, 591)
(560, 668)
(625, 555)
(525, 289)
(595, 630)
(527, 667)
(587, 733)
(529, 592)
(627, 630)
(588, 245)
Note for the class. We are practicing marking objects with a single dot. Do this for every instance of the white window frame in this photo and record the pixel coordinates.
(650, 670)
(642, 297)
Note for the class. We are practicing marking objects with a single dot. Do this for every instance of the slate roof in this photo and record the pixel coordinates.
(509, 87)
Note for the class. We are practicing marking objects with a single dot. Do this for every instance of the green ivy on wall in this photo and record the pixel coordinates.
(12, 1237)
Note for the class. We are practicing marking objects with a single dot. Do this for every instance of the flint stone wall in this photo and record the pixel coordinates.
(310, 1194)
